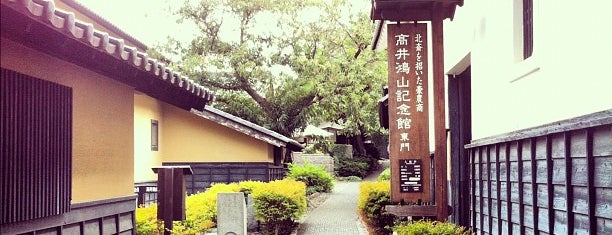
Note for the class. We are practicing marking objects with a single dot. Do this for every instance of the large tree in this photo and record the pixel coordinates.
(286, 63)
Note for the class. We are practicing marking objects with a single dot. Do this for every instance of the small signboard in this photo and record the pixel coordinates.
(408, 112)
(410, 174)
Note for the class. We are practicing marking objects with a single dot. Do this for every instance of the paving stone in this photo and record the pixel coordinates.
(338, 215)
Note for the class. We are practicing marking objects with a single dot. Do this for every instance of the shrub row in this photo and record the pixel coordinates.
(315, 178)
(277, 204)
(373, 197)
(424, 227)
(357, 166)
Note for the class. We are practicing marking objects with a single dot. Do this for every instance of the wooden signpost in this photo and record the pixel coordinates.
(408, 113)
(411, 191)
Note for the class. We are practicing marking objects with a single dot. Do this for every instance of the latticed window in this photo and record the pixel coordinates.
(36, 147)
(527, 28)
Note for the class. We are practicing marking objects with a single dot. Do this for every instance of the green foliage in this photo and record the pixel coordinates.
(424, 227)
(356, 166)
(315, 178)
(310, 149)
(278, 204)
(385, 175)
(353, 178)
(201, 209)
(372, 151)
(247, 187)
(323, 146)
(285, 66)
(341, 150)
(318, 145)
(373, 197)
(146, 221)
(201, 213)
(380, 140)
(345, 167)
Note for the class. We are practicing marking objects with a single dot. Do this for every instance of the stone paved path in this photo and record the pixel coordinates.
(337, 215)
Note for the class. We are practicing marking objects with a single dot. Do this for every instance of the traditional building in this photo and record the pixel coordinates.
(86, 113)
(530, 116)
(219, 147)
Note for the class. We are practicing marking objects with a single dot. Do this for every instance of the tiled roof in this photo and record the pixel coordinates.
(105, 23)
(248, 128)
(44, 11)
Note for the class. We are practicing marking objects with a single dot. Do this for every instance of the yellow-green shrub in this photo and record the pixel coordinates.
(315, 177)
(278, 203)
(430, 227)
(373, 197)
(248, 186)
(146, 221)
(201, 213)
(385, 175)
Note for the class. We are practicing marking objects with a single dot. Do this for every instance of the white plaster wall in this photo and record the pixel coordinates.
(567, 76)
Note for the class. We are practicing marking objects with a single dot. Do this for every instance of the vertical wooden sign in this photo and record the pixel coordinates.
(408, 113)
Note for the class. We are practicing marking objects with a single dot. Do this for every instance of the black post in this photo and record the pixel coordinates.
(171, 194)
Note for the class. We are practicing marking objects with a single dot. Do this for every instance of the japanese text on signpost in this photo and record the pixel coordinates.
(408, 112)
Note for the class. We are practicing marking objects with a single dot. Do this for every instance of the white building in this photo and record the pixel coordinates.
(567, 75)
(529, 112)
(530, 93)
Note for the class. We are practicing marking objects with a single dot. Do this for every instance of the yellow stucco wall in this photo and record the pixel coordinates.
(186, 137)
(145, 109)
(190, 138)
(271, 153)
(103, 124)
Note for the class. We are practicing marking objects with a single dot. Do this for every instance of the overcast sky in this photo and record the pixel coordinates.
(151, 21)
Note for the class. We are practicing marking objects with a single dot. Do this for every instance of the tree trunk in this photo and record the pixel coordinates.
(358, 145)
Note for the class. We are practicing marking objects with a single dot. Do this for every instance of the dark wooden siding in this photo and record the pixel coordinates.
(204, 174)
(547, 182)
(460, 123)
(110, 216)
(36, 147)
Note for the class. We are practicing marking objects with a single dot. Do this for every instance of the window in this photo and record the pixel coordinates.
(523, 29)
(527, 28)
(36, 140)
(525, 51)
(154, 135)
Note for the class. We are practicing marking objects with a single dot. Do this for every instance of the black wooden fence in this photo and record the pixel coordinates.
(147, 192)
(552, 179)
(205, 174)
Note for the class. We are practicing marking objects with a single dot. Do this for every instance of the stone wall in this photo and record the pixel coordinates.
(322, 160)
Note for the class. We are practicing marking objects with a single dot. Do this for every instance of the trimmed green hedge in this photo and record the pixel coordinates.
(315, 178)
(373, 197)
(357, 166)
(424, 227)
(277, 204)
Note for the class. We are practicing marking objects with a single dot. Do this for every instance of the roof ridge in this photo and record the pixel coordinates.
(104, 22)
(247, 123)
